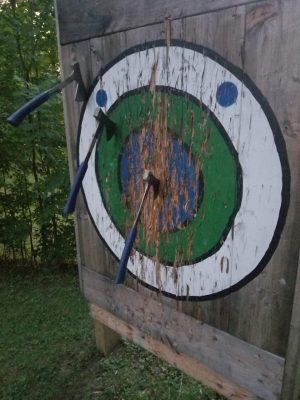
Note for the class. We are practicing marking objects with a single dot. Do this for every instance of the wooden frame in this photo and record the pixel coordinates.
(246, 345)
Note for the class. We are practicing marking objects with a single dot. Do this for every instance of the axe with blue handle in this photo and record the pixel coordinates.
(110, 126)
(150, 180)
(81, 94)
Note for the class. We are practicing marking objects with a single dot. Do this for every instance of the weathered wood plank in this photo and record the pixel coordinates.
(72, 109)
(186, 364)
(65, 59)
(247, 366)
(92, 55)
(215, 31)
(268, 298)
(291, 380)
(83, 20)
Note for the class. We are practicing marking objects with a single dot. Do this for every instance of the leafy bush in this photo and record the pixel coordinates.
(33, 165)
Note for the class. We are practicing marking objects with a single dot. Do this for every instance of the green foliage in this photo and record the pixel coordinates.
(45, 355)
(33, 164)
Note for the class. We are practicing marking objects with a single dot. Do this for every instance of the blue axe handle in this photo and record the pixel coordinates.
(17, 117)
(151, 181)
(126, 253)
(110, 130)
(71, 201)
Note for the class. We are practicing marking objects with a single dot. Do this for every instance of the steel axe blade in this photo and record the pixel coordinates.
(81, 93)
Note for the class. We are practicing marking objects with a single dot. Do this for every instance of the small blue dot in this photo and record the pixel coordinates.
(101, 98)
(227, 94)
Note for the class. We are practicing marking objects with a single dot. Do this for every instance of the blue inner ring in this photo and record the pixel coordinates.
(178, 161)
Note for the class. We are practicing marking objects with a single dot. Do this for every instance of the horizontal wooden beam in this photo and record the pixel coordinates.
(247, 366)
(80, 20)
(184, 363)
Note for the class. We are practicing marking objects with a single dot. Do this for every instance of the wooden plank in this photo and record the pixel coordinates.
(247, 366)
(291, 380)
(98, 18)
(215, 31)
(72, 110)
(92, 55)
(186, 364)
(65, 59)
(84, 229)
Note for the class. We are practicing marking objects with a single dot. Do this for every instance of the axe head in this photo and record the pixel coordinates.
(151, 180)
(81, 93)
(107, 122)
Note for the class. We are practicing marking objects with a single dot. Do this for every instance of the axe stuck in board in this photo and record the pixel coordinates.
(103, 120)
(150, 180)
(17, 117)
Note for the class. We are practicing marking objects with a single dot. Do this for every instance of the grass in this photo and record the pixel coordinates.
(47, 349)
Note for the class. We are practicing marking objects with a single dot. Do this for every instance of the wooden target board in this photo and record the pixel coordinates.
(205, 130)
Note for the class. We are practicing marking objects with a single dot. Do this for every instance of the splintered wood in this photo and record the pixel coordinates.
(162, 213)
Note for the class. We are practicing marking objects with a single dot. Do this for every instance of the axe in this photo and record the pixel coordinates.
(150, 180)
(17, 117)
(110, 126)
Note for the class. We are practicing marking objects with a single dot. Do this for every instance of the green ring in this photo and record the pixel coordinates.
(219, 167)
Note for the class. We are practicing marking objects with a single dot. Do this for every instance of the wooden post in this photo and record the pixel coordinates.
(291, 379)
(106, 339)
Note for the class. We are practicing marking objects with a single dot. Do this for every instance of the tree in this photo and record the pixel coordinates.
(33, 164)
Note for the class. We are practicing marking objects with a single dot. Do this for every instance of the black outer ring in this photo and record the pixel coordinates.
(278, 139)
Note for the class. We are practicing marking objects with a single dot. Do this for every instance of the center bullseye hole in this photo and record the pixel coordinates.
(172, 163)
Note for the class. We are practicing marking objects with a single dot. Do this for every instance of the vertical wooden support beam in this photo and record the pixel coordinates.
(106, 339)
(65, 60)
(291, 379)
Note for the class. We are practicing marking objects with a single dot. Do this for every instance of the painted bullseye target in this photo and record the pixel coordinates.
(204, 130)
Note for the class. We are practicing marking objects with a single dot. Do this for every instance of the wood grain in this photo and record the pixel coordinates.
(215, 31)
(80, 20)
(247, 366)
(92, 55)
(291, 381)
(272, 62)
(186, 364)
